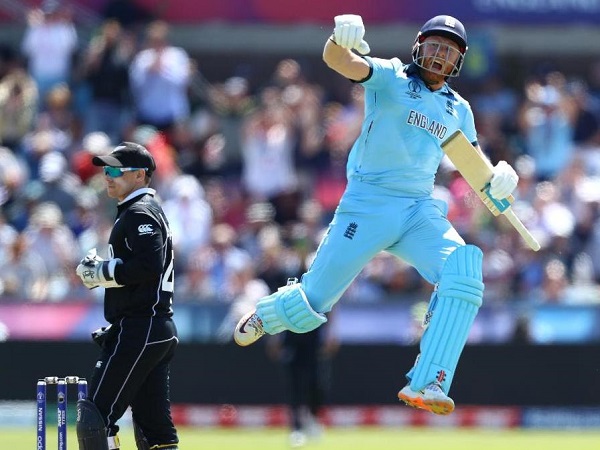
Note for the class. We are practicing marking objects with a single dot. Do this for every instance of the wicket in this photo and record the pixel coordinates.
(61, 400)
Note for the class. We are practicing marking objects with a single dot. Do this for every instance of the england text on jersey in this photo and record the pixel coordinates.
(419, 120)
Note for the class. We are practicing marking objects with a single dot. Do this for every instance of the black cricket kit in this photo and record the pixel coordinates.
(133, 369)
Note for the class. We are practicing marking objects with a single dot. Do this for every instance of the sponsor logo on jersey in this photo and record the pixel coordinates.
(145, 229)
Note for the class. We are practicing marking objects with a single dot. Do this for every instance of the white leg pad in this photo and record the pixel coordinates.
(288, 309)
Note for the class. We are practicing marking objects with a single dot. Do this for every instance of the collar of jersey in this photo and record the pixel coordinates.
(137, 193)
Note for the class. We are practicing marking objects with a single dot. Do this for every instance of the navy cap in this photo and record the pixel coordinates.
(127, 154)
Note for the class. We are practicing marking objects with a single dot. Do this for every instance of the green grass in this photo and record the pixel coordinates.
(346, 439)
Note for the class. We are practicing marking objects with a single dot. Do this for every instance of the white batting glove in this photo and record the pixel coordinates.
(504, 181)
(349, 32)
(94, 271)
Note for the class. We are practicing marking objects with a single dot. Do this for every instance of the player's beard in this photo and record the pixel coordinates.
(432, 78)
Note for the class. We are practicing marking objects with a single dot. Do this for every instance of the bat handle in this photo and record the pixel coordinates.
(524, 232)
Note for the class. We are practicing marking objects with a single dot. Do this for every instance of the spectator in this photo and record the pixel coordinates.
(190, 215)
(259, 215)
(160, 75)
(36, 144)
(48, 237)
(127, 13)
(59, 115)
(85, 214)
(546, 121)
(105, 69)
(231, 103)
(8, 235)
(304, 101)
(277, 260)
(215, 270)
(555, 284)
(18, 106)
(23, 274)
(496, 99)
(586, 122)
(49, 44)
(268, 142)
(13, 175)
(162, 151)
(59, 186)
(227, 202)
(93, 144)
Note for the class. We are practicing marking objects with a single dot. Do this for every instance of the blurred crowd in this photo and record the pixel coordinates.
(250, 174)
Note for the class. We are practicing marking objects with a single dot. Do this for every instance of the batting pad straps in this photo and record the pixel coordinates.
(288, 309)
(462, 276)
(462, 288)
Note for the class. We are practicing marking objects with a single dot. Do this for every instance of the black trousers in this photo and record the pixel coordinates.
(307, 373)
(133, 370)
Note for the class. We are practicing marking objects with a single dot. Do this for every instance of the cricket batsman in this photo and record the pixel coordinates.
(410, 109)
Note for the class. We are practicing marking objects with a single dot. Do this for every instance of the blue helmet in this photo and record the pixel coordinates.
(446, 26)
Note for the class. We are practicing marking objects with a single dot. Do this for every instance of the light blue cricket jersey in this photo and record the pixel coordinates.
(399, 147)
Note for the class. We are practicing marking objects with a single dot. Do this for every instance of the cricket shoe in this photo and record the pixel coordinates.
(298, 439)
(248, 330)
(431, 398)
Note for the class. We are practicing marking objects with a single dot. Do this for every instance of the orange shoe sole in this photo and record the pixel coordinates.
(436, 407)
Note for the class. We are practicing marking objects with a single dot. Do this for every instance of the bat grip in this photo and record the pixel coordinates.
(524, 232)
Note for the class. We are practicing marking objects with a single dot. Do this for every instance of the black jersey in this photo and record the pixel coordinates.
(141, 238)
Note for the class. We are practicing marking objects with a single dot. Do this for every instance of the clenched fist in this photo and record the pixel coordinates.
(349, 32)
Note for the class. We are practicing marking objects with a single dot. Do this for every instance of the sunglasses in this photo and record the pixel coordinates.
(116, 172)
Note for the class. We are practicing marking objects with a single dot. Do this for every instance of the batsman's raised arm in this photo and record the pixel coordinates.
(338, 55)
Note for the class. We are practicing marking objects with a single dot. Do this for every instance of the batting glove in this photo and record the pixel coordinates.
(504, 181)
(349, 32)
(94, 271)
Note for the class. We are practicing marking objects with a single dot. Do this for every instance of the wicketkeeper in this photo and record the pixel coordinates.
(132, 369)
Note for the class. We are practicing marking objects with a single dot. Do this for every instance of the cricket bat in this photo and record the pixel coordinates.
(478, 171)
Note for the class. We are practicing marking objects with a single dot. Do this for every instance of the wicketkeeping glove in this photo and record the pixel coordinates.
(349, 32)
(94, 271)
(504, 181)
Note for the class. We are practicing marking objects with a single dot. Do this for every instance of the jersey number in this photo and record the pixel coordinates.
(167, 279)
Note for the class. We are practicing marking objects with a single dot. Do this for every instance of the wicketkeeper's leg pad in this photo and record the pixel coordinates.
(459, 296)
(91, 430)
(288, 309)
(140, 440)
